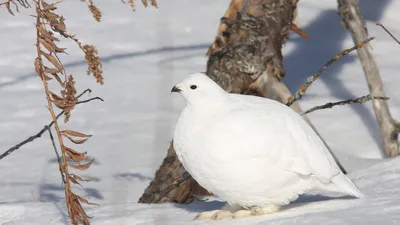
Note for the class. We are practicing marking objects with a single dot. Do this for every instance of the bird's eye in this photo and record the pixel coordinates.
(193, 87)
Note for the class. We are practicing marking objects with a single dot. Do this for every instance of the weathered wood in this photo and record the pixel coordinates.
(353, 20)
(251, 63)
(160, 191)
(221, 40)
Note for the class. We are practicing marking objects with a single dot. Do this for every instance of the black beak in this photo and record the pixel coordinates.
(175, 89)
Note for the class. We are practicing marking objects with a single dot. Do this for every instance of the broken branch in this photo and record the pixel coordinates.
(359, 100)
(47, 127)
(299, 94)
(387, 31)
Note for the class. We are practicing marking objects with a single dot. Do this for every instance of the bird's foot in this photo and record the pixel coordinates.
(226, 212)
(214, 215)
(257, 211)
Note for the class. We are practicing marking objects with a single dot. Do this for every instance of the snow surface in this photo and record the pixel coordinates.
(144, 54)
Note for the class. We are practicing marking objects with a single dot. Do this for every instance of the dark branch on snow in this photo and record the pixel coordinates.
(46, 127)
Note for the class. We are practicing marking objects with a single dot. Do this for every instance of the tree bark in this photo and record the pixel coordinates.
(353, 20)
(250, 63)
(162, 189)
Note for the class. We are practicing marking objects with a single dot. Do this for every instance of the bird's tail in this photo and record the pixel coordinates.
(345, 185)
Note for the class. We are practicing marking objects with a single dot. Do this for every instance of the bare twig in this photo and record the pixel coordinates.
(387, 31)
(31, 138)
(299, 94)
(185, 176)
(55, 150)
(84, 92)
(45, 128)
(359, 100)
(89, 100)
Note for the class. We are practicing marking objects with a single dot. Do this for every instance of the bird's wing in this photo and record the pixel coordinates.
(275, 133)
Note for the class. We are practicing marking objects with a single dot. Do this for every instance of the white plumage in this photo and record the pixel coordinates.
(254, 153)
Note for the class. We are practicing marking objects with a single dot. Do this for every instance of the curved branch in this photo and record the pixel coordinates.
(46, 127)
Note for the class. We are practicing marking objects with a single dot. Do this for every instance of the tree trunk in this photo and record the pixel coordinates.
(250, 63)
(162, 188)
(354, 22)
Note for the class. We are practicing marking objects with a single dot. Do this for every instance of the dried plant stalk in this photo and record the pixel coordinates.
(145, 3)
(8, 4)
(47, 22)
(96, 13)
(49, 67)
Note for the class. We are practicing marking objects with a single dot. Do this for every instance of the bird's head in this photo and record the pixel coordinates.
(199, 88)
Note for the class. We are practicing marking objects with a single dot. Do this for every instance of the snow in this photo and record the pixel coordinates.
(144, 54)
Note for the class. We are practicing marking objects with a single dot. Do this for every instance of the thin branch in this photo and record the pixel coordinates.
(185, 176)
(359, 100)
(48, 126)
(58, 156)
(89, 100)
(31, 138)
(387, 31)
(299, 94)
(84, 92)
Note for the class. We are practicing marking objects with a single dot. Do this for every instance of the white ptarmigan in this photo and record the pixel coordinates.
(254, 153)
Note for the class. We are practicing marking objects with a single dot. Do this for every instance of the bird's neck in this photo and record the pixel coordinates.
(208, 108)
(202, 116)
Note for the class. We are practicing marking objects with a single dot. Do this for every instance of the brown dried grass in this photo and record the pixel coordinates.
(49, 22)
(145, 3)
(49, 68)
